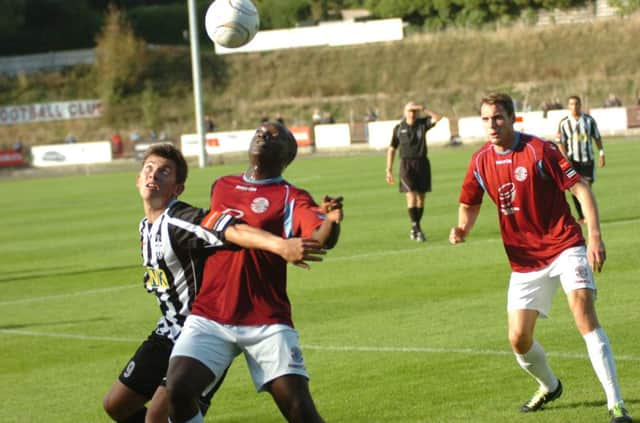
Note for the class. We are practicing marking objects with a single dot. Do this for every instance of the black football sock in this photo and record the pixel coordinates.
(419, 213)
(413, 216)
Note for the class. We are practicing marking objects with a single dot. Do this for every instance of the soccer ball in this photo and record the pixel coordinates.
(232, 23)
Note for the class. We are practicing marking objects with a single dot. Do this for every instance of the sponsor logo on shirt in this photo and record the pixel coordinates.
(503, 161)
(520, 173)
(155, 279)
(506, 195)
(245, 188)
(259, 205)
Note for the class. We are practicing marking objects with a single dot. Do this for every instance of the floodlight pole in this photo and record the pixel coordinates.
(197, 90)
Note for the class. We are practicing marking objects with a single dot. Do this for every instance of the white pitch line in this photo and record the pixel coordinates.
(67, 295)
(326, 259)
(345, 348)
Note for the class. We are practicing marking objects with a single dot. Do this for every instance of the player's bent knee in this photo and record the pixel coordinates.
(112, 408)
(520, 342)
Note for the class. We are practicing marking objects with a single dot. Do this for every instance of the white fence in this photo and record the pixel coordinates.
(29, 63)
(326, 34)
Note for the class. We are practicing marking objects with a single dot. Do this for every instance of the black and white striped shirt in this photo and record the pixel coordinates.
(577, 135)
(174, 248)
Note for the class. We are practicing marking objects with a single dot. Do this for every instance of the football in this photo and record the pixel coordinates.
(232, 23)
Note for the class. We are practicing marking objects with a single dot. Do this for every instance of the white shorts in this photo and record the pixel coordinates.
(535, 290)
(271, 351)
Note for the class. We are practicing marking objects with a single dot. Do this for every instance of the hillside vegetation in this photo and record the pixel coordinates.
(450, 70)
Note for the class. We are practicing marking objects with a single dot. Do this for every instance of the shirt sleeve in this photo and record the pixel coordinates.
(561, 136)
(557, 167)
(195, 229)
(428, 123)
(395, 142)
(306, 215)
(594, 128)
(473, 185)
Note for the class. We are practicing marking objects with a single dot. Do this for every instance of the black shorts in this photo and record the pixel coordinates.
(147, 369)
(415, 175)
(586, 170)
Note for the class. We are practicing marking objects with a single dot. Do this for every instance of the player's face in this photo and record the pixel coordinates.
(410, 115)
(498, 125)
(156, 181)
(574, 107)
(269, 150)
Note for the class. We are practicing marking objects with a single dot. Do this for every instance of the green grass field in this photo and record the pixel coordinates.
(392, 330)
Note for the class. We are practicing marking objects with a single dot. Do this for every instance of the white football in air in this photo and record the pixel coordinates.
(232, 23)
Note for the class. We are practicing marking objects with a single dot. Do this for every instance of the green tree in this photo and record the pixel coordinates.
(150, 105)
(120, 60)
(625, 7)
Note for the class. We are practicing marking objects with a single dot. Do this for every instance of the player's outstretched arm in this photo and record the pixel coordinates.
(596, 253)
(467, 215)
(329, 231)
(294, 250)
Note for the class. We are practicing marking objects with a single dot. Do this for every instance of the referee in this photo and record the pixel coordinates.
(576, 134)
(410, 136)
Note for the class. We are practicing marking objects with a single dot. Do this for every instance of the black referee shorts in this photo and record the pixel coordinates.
(586, 170)
(415, 175)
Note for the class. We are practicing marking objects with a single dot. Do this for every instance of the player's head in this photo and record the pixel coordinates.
(163, 174)
(273, 147)
(498, 117)
(411, 110)
(574, 104)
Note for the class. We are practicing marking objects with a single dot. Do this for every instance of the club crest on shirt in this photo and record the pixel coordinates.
(259, 205)
(520, 173)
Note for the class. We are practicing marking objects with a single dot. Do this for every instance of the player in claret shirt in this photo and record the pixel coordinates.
(526, 178)
(174, 245)
(245, 308)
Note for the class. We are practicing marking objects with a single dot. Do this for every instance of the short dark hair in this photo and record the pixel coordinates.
(501, 99)
(169, 152)
(574, 97)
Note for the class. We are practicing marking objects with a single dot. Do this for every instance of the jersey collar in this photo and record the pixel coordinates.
(514, 146)
(275, 180)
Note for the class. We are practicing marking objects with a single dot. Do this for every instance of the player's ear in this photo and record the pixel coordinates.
(179, 189)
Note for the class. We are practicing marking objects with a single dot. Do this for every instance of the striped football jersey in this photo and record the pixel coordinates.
(174, 248)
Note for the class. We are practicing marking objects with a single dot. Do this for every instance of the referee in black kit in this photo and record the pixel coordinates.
(576, 134)
(410, 135)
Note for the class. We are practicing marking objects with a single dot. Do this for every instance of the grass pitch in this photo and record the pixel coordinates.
(392, 330)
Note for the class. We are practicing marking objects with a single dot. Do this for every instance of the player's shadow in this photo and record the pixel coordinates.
(18, 326)
(20, 275)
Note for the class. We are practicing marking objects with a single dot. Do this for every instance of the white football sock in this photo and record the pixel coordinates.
(602, 361)
(534, 362)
